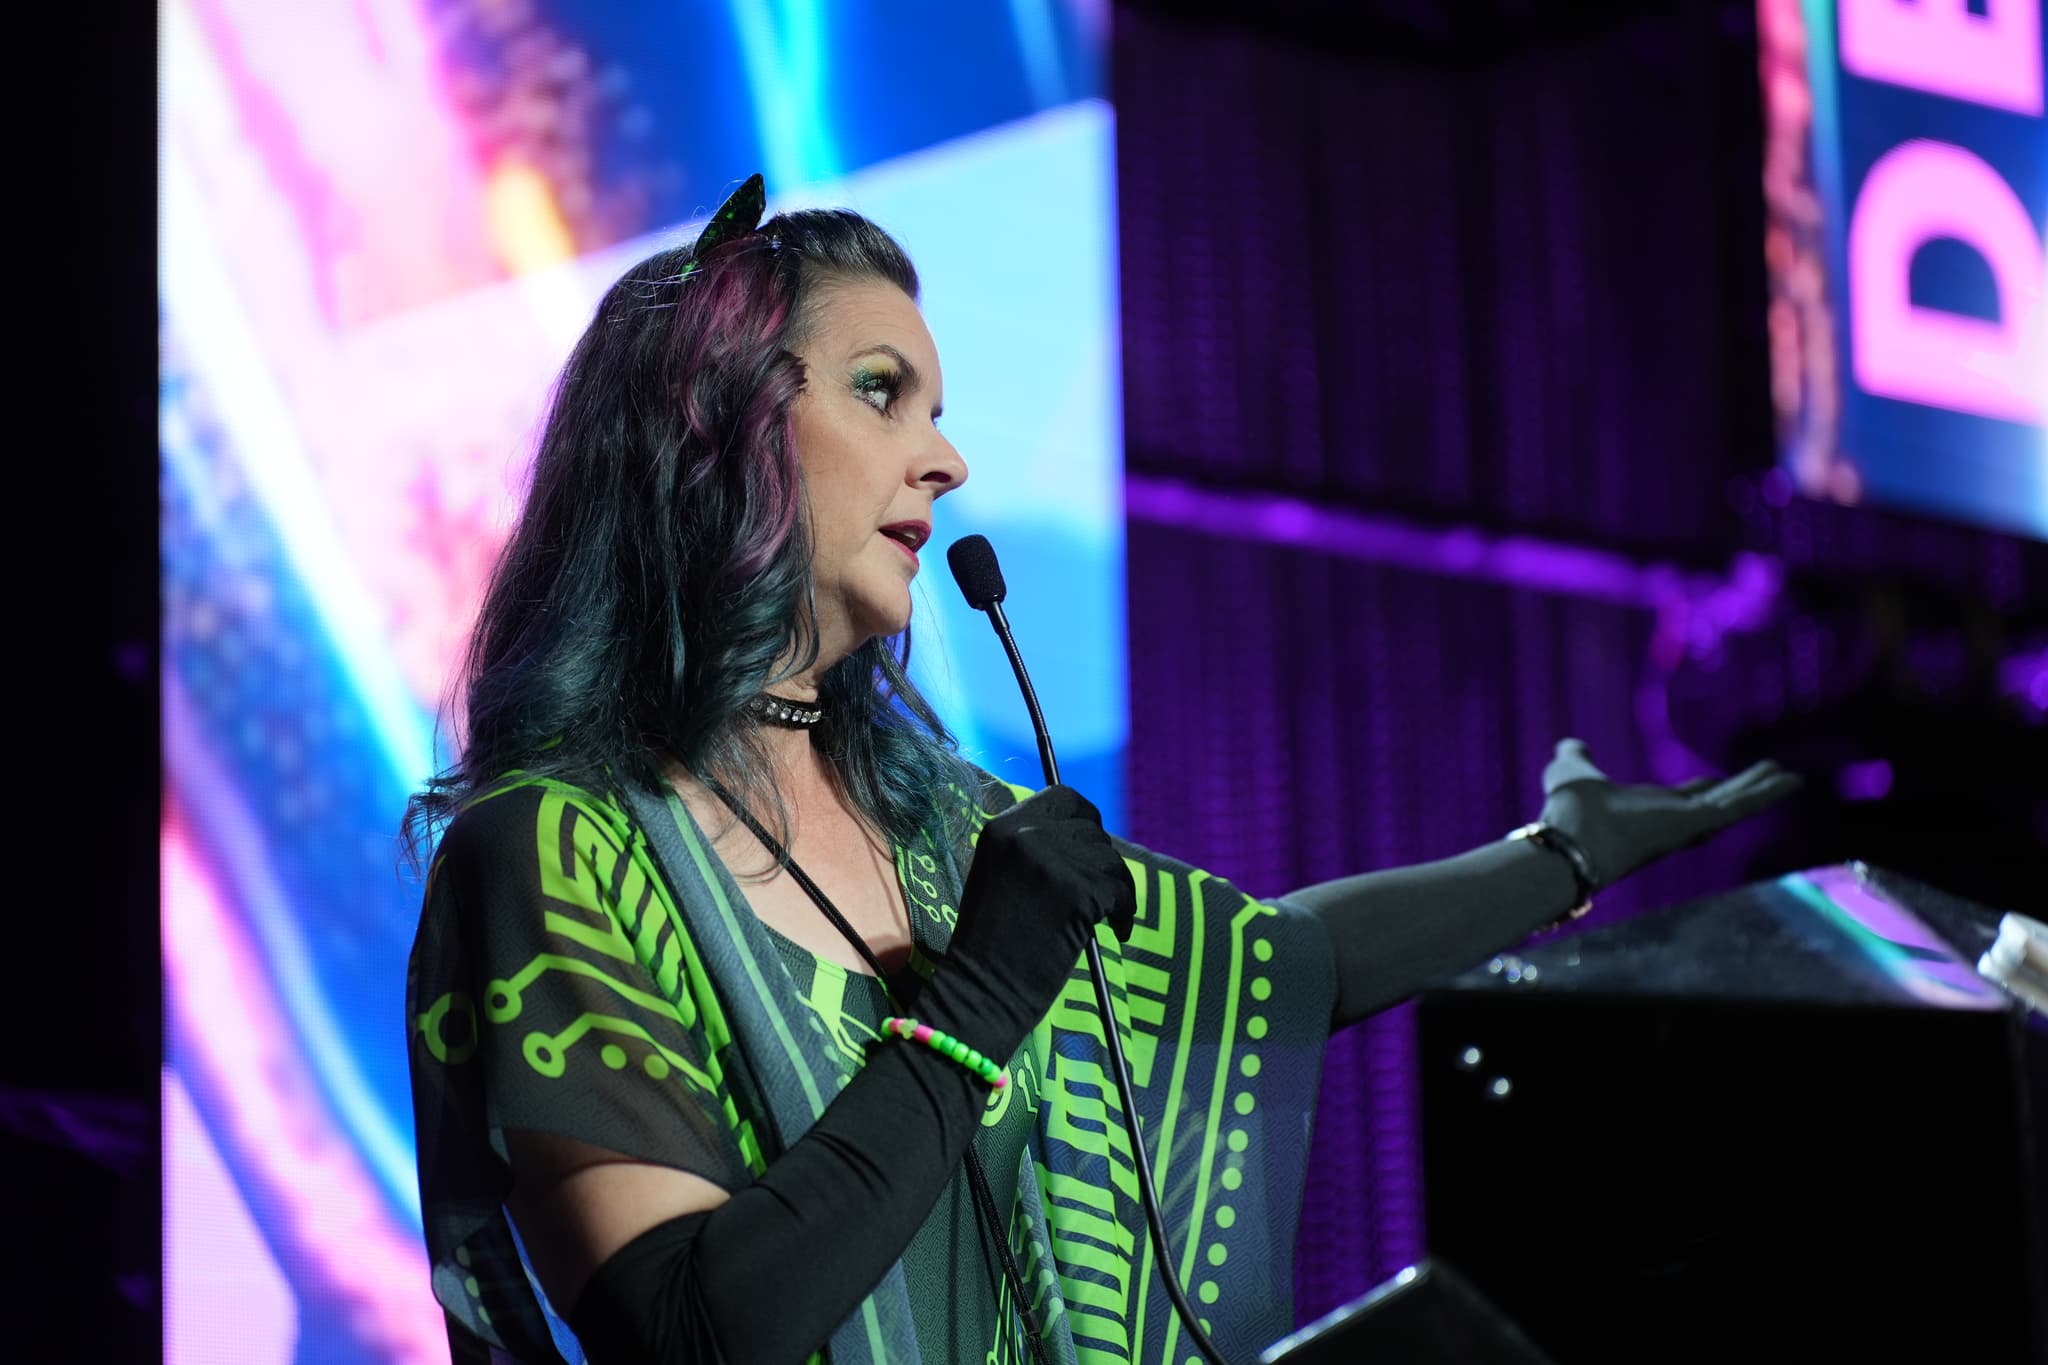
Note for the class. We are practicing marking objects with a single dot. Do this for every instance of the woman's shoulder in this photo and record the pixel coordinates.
(522, 811)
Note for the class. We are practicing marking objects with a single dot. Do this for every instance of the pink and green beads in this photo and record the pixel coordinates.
(949, 1046)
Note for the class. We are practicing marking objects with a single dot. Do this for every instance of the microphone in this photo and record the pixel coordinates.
(973, 561)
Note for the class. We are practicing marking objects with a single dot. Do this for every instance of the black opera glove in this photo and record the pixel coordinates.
(749, 1280)
(1044, 875)
(1623, 828)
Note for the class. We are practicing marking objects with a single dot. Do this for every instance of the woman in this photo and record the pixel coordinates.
(706, 836)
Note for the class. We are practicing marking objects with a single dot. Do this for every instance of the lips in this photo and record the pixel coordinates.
(911, 535)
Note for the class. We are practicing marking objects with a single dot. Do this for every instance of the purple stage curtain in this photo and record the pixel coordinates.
(1484, 296)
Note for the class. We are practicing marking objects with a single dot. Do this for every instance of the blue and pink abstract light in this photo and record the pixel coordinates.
(382, 225)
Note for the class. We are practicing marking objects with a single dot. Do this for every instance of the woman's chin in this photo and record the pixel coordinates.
(882, 622)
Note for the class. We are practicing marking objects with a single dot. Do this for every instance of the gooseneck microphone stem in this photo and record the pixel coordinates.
(973, 561)
(1046, 760)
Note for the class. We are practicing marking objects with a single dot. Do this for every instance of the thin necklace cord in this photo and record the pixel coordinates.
(977, 1179)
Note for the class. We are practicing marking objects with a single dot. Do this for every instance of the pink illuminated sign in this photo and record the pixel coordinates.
(1917, 192)
(1923, 190)
(1939, 46)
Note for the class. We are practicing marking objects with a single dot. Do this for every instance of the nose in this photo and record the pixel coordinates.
(939, 467)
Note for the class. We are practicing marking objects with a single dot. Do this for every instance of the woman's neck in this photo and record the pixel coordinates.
(799, 772)
(798, 769)
(796, 766)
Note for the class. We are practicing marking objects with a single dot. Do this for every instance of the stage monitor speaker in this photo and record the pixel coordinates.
(1426, 1315)
(1789, 1122)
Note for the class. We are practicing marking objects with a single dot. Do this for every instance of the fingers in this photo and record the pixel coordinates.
(1073, 824)
(1060, 818)
(1755, 788)
(1766, 791)
(1742, 782)
(1057, 802)
(1123, 911)
(1749, 778)
(1573, 763)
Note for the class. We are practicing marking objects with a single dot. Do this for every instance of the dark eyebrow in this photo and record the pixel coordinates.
(911, 378)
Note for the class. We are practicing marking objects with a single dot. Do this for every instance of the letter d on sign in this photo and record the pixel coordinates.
(1919, 191)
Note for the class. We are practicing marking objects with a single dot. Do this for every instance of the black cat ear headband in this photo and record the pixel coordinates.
(737, 216)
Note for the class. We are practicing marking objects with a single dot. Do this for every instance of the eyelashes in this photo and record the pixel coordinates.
(880, 388)
(877, 388)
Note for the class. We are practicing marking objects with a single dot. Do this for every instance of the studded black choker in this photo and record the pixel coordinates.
(781, 711)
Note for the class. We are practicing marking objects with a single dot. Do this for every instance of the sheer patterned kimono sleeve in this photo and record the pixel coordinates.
(1222, 1002)
(552, 987)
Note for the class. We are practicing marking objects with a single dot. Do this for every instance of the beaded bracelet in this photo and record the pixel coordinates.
(949, 1046)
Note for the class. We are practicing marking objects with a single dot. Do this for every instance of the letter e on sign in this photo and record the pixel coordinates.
(1938, 46)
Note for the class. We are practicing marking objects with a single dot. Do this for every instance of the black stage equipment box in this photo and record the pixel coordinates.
(1426, 1315)
(1786, 1123)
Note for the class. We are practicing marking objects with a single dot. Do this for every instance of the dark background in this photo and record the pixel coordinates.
(78, 1083)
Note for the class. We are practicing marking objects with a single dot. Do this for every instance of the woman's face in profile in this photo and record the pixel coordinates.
(872, 455)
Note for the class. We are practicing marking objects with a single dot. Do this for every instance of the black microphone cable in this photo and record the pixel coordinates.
(973, 561)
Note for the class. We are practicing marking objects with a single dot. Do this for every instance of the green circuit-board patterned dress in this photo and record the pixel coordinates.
(560, 982)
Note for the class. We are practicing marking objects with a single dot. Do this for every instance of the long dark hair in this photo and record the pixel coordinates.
(661, 567)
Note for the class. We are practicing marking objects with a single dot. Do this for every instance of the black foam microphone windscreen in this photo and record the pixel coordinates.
(973, 561)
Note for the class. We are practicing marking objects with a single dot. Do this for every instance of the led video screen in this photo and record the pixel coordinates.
(382, 226)
(1906, 183)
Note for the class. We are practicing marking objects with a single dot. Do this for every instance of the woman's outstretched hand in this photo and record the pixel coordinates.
(1622, 828)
